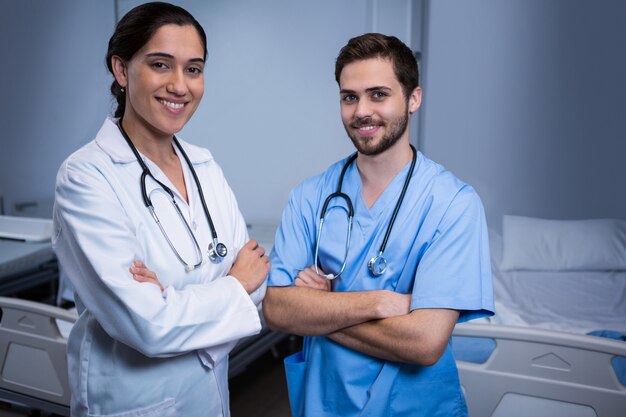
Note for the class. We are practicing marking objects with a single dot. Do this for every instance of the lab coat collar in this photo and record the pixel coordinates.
(111, 141)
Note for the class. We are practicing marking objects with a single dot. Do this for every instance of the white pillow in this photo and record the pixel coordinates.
(563, 245)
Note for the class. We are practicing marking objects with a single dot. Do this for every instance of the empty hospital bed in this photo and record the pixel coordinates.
(558, 286)
(26, 257)
(32, 349)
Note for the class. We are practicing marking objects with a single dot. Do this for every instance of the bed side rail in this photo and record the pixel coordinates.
(33, 367)
(543, 364)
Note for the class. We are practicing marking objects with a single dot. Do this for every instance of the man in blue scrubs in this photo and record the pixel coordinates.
(378, 345)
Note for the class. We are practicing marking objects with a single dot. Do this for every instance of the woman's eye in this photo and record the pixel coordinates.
(159, 65)
(195, 70)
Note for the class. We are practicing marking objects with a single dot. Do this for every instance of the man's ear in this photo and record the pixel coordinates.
(415, 99)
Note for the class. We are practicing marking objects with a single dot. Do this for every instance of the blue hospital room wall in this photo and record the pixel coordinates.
(523, 99)
(270, 113)
(526, 101)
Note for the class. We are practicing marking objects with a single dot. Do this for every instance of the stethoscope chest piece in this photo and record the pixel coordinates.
(217, 252)
(377, 265)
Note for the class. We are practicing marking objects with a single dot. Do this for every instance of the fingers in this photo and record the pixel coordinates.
(140, 278)
(141, 273)
(253, 246)
(311, 279)
(139, 268)
(251, 266)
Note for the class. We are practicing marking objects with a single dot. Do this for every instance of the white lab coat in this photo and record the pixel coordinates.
(135, 350)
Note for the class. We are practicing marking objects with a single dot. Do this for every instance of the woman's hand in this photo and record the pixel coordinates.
(251, 266)
(311, 279)
(141, 273)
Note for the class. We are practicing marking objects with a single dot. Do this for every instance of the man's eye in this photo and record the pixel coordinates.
(379, 95)
(348, 99)
(195, 70)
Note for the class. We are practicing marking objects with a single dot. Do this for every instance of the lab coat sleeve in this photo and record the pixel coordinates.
(94, 235)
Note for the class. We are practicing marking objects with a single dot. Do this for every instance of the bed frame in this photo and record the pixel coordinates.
(33, 367)
(542, 373)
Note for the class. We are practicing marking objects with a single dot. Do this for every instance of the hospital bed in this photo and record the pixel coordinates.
(26, 257)
(33, 340)
(33, 364)
(559, 286)
(33, 355)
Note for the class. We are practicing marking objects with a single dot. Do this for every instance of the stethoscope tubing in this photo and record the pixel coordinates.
(377, 265)
(217, 250)
(399, 203)
(200, 193)
(346, 198)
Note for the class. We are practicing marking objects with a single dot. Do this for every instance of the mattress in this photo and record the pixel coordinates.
(25, 228)
(571, 301)
(24, 244)
(20, 257)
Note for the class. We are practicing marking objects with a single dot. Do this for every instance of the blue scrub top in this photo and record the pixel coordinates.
(438, 251)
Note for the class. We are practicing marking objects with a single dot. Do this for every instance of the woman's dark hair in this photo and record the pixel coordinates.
(376, 45)
(136, 28)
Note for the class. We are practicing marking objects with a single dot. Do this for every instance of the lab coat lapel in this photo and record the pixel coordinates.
(111, 141)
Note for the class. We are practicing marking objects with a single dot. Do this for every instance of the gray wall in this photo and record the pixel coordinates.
(526, 100)
(54, 87)
(270, 113)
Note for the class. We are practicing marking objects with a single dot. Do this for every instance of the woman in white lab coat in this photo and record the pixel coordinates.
(143, 346)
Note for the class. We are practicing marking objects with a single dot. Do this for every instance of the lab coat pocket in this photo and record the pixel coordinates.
(165, 408)
(295, 370)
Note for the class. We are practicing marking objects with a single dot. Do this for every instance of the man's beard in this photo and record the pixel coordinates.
(364, 144)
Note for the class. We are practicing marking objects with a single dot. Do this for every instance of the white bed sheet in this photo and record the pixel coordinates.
(17, 256)
(571, 301)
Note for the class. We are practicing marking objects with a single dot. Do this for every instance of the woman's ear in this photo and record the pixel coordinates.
(119, 71)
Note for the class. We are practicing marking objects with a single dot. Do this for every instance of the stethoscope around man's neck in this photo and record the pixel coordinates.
(217, 251)
(377, 264)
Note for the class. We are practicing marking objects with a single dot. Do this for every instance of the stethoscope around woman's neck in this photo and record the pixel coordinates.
(217, 251)
(377, 264)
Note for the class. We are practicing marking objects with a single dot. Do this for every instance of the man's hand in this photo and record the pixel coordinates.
(311, 279)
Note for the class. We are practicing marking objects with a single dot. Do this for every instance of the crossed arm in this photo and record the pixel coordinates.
(378, 323)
